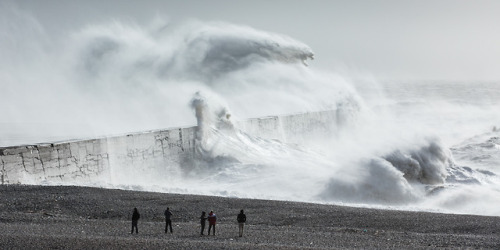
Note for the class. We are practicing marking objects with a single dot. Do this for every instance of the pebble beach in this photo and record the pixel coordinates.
(73, 217)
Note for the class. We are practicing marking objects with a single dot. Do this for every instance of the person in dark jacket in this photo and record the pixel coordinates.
(168, 221)
(242, 218)
(135, 218)
(203, 219)
(212, 218)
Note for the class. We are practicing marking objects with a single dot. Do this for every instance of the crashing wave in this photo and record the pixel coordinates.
(402, 176)
(195, 50)
(426, 165)
(222, 48)
(482, 150)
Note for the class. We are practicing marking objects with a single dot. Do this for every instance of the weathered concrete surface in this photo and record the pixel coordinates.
(164, 151)
(62, 161)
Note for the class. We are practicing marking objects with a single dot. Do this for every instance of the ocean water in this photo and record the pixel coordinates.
(431, 146)
(415, 145)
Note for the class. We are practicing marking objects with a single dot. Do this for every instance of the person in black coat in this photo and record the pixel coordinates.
(135, 218)
(168, 221)
(203, 219)
(242, 218)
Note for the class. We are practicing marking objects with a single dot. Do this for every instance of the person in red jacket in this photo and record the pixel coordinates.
(212, 218)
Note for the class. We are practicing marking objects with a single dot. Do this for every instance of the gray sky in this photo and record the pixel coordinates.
(393, 39)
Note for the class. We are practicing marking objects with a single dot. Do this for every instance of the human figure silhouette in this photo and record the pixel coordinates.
(203, 219)
(242, 218)
(168, 221)
(135, 218)
(212, 219)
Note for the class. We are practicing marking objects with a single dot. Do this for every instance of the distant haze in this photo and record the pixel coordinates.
(389, 40)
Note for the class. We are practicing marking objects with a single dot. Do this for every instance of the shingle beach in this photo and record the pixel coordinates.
(71, 217)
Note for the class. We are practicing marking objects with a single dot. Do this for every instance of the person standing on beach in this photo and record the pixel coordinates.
(212, 218)
(203, 219)
(135, 219)
(168, 221)
(242, 218)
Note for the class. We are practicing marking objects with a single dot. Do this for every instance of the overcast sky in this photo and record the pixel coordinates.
(392, 39)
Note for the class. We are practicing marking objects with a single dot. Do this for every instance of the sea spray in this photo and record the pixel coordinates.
(119, 77)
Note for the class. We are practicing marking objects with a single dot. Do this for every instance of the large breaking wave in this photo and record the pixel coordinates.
(418, 175)
(120, 77)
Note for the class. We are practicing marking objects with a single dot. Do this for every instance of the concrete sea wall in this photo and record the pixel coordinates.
(164, 151)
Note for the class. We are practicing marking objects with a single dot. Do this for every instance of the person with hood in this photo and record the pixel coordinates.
(242, 218)
(212, 219)
(135, 219)
(203, 219)
(168, 221)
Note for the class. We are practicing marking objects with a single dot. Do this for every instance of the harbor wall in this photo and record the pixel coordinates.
(142, 155)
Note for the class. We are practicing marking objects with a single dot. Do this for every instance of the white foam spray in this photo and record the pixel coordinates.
(398, 149)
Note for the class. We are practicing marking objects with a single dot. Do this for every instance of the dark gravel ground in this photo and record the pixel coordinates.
(68, 217)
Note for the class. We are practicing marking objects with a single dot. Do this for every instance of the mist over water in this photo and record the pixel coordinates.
(408, 145)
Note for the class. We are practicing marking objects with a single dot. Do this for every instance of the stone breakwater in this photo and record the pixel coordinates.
(163, 151)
